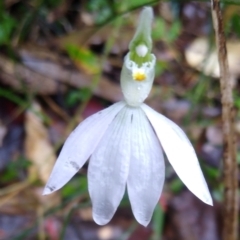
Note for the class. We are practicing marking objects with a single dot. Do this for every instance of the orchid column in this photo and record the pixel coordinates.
(139, 64)
(125, 144)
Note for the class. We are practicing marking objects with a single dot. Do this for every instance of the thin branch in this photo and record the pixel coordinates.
(230, 210)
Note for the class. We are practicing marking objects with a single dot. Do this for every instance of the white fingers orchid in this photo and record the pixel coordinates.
(125, 144)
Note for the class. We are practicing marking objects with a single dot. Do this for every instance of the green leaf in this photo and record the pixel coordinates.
(75, 96)
(163, 31)
(174, 31)
(211, 172)
(77, 185)
(52, 3)
(236, 24)
(7, 24)
(84, 58)
(176, 185)
(158, 222)
(161, 66)
(13, 168)
(159, 29)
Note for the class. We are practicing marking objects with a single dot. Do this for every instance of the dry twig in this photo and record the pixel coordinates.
(230, 162)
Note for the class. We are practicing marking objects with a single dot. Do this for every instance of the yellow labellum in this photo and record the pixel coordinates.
(139, 76)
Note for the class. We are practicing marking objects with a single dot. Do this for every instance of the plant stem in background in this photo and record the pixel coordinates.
(230, 210)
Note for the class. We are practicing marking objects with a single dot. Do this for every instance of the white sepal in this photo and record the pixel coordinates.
(135, 92)
(143, 32)
(79, 146)
(108, 168)
(180, 153)
(147, 169)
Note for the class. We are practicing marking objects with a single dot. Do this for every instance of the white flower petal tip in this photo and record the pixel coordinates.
(46, 191)
(142, 220)
(208, 200)
(103, 215)
(103, 211)
(180, 154)
(79, 146)
(100, 219)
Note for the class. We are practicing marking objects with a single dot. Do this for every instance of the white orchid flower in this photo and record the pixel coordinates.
(125, 144)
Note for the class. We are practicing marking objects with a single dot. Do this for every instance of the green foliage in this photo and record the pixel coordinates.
(238, 157)
(158, 222)
(236, 98)
(165, 32)
(13, 168)
(78, 186)
(161, 66)
(211, 172)
(204, 84)
(233, 25)
(104, 8)
(51, 3)
(176, 185)
(125, 201)
(7, 25)
(236, 24)
(84, 58)
(138, 3)
(13, 97)
(75, 96)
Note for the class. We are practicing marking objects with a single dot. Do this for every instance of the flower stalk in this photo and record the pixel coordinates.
(230, 211)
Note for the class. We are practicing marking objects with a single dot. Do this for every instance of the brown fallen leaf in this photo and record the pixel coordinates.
(38, 148)
(40, 152)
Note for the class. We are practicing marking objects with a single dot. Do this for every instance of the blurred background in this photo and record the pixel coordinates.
(60, 61)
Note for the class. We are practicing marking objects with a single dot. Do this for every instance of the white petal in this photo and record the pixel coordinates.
(147, 170)
(79, 146)
(108, 168)
(180, 154)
